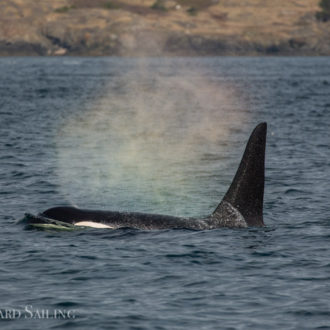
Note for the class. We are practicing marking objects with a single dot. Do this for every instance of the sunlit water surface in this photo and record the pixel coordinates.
(164, 136)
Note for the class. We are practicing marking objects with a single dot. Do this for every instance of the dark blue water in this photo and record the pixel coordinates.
(163, 136)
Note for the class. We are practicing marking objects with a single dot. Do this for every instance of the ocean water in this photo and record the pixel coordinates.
(163, 136)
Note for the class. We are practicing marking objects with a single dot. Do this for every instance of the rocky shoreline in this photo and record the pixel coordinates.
(57, 28)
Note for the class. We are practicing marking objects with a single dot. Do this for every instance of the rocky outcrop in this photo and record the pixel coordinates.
(163, 27)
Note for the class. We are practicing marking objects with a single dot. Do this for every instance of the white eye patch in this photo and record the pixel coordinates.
(92, 224)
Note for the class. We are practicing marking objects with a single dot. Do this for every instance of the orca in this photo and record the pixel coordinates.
(242, 205)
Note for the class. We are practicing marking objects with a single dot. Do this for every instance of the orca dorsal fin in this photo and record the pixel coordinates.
(246, 192)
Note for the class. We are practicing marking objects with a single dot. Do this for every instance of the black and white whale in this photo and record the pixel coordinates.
(242, 205)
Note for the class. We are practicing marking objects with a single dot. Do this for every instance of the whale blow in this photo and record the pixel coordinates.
(242, 205)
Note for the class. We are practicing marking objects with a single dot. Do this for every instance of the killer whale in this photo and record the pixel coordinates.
(242, 205)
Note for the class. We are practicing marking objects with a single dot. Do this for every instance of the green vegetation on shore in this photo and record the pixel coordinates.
(64, 9)
(324, 15)
(158, 5)
(111, 5)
